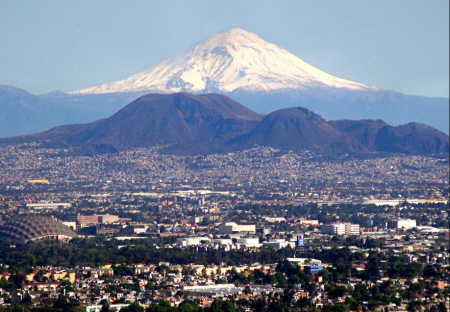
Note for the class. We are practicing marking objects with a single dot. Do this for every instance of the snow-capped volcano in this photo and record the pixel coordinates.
(239, 64)
(225, 62)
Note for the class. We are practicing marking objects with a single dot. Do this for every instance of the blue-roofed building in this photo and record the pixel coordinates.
(313, 268)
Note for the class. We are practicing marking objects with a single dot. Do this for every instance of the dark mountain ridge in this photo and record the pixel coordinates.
(23, 113)
(295, 129)
(188, 124)
(411, 138)
(363, 131)
(157, 120)
(393, 107)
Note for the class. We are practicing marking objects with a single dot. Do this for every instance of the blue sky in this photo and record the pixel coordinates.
(402, 45)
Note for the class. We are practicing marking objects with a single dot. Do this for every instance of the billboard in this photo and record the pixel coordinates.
(300, 240)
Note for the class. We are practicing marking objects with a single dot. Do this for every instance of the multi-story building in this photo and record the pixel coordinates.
(341, 229)
(351, 229)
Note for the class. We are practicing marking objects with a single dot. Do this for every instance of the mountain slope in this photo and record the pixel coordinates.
(225, 62)
(378, 136)
(155, 120)
(295, 129)
(412, 138)
(332, 104)
(188, 124)
(362, 131)
(176, 118)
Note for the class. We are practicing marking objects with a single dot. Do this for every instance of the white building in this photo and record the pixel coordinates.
(191, 241)
(249, 242)
(340, 229)
(48, 205)
(351, 229)
(279, 243)
(401, 223)
(233, 227)
(223, 241)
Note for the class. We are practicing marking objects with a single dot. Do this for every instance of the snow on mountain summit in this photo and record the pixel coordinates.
(225, 62)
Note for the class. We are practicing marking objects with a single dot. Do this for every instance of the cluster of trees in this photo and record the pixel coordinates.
(99, 251)
(185, 306)
(62, 304)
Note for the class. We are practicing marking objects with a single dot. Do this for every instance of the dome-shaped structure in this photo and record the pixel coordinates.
(36, 228)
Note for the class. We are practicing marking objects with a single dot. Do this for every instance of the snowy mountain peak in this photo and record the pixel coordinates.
(225, 62)
(232, 38)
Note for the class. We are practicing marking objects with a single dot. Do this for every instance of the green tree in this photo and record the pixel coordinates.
(17, 279)
(188, 306)
(105, 308)
(259, 305)
(221, 306)
(134, 307)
